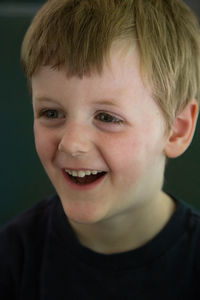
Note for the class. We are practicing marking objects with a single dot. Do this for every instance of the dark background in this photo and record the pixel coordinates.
(23, 180)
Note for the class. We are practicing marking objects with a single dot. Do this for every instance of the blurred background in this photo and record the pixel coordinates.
(23, 180)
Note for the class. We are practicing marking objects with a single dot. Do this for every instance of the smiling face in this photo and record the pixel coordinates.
(106, 122)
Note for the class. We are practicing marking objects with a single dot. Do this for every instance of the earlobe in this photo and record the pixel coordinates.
(183, 130)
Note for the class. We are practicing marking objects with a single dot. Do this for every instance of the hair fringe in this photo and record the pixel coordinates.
(78, 34)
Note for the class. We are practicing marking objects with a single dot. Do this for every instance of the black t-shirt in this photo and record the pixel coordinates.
(41, 259)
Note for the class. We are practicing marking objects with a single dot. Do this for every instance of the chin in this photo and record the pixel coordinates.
(84, 213)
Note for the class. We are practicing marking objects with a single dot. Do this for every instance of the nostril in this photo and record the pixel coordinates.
(77, 153)
(74, 145)
(74, 150)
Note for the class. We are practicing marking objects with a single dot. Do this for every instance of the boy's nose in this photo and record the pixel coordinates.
(75, 141)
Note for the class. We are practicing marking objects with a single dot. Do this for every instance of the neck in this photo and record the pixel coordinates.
(129, 231)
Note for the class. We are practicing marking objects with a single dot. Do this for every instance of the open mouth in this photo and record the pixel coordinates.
(84, 180)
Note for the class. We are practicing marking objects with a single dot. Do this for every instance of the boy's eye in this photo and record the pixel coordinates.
(108, 118)
(51, 114)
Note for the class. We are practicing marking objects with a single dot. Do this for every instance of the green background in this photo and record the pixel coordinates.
(23, 180)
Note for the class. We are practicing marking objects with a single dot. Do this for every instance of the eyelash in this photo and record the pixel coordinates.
(103, 117)
(110, 118)
(44, 113)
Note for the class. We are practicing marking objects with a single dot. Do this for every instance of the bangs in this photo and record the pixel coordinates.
(76, 34)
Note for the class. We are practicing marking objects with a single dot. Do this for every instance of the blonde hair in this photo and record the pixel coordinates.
(78, 34)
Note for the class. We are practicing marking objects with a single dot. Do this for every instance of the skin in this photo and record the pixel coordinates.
(127, 208)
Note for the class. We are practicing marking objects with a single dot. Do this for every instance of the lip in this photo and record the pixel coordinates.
(84, 187)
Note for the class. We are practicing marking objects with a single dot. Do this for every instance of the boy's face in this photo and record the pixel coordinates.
(107, 123)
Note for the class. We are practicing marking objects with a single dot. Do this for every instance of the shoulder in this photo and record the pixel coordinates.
(192, 232)
(194, 227)
(192, 220)
(21, 238)
(30, 220)
(183, 232)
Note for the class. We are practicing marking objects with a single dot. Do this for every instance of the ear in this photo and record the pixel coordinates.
(182, 131)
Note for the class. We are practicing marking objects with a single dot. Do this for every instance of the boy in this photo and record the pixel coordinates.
(115, 86)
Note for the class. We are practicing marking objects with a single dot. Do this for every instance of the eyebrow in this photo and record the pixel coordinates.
(108, 102)
(41, 99)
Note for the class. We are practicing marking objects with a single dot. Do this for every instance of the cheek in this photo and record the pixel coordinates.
(133, 153)
(45, 144)
(121, 150)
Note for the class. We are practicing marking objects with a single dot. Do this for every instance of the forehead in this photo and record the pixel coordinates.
(119, 85)
(121, 70)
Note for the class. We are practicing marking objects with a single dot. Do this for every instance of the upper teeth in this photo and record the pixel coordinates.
(81, 173)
